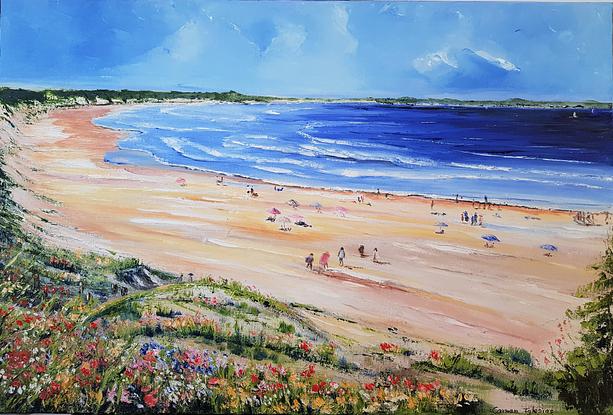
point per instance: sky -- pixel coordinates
(320, 49)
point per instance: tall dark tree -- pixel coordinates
(586, 380)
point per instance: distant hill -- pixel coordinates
(70, 97)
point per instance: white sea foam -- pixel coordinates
(479, 166)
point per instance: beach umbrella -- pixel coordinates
(181, 181)
(548, 247)
(490, 238)
(274, 211)
(341, 210)
(296, 218)
(441, 225)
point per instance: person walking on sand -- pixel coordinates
(323, 260)
(309, 261)
(375, 257)
(432, 204)
(341, 256)
(361, 251)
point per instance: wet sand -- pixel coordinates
(447, 288)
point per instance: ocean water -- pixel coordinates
(543, 158)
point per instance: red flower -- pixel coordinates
(93, 325)
(85, 371)
(39, 368)
(150, 400)
(387, 347)
(255, 378)
(408, 384)
(51, 391)
(46, 341)
(19, 323)
(435, 355)
(315, 388)
(305, 346)
(369, 386)
(213, 381)
(308, 372)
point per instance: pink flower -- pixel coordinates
(125, 396)
(112, 394)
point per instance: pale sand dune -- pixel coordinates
(443, 287)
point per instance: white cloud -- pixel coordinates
(289, 39)
(433, 60)
(500, 62)
(340, 20)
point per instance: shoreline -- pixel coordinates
(441, 287)
(371, 193)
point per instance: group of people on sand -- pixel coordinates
(587, 218)
(341, 255)
(474, 219)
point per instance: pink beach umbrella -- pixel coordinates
(181, 181)
(274, 211)
(296, 218)
(341, 210)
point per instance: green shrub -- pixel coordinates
(586, 380)
(286, 328)
(513, 355)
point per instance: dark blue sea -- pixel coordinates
(543, 158)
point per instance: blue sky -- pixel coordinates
(456, 49)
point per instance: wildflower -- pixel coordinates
(213, 381)
(308, 372)
(435, 355)
(369, 386)
(408, 384)
(305, 346)
(255, 378)
(387, 347)
(19, 323)
(93, 325)
(125, 396)
(150, 400)
(558, 341)
(111, 394)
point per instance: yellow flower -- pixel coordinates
(295, 405)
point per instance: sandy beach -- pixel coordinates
(442, 287)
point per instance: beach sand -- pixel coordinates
(445, 288)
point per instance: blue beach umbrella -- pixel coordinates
(548, 247)
(490, 238)
(441, 225)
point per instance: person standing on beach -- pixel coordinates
(432, 204)
(341, 256)
(375, 252)
(323, 261)
(309, 261)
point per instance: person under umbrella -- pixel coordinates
(489, 240)
(274, 212)
(549, 248)
(441, 225)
